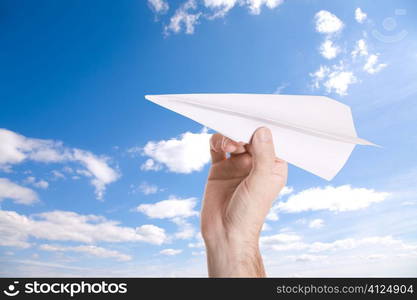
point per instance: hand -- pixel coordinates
(239, 193)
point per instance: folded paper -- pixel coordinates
(315, 133)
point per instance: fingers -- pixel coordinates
(262, 150)
(217, 154)
(220, 145)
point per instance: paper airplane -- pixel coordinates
(314, 133)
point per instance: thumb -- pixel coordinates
(268, 174)
(262, 151)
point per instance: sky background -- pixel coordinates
(97, 181)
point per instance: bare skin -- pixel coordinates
(239, 193)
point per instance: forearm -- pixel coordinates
(232, 259)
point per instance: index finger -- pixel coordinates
(220, 145)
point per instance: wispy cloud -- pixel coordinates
(177, 211)
(337, 199)
(361, 49)
(88, 249)
(171, 208)
(185, 17)
(158, 6)
(287, 242)
(42, 184)
(18, 194)
(316, 223)
(281, 88)
(170, 252)
(338, 77)
(16, 229)
(16, 149)
(147, 188)
(190, 12)
(372, 66)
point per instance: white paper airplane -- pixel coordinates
(314, 133)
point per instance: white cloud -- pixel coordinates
(159, 6)
(280, 88)
(170, 252)
(376, 256)
(293, 242)
(273, 212)
(351, 243)
(84, 173)
(199, 242)
(372, 65)
(16, 229)
(88, 249)
(17, 193)
(15, 149)
(338, 199)
(57, 174)
(343, 248)
(408, 203)
(42, 184)
(339, 81)
(171, 208)
(329, 50)
(190, 12)
(335, 78)
(98, 167)
(316, 223)
(360, 16)
(196, 245)
(150, 165)
(320, 75)
(190, 152)
(255, 6)
(360, 49)
(183, 19)
(148, 189)
(301, 221)
(177, 211)
(328, 23)
(282, 242)
(220, 7)
(151, 234)
(306, 257)
(185, 229)
(281, 238)
(286, 191)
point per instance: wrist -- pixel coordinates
(234, 257)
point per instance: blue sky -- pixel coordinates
(96, 181)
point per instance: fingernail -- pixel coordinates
(264, 135)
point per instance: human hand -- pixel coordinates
(239, 193)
